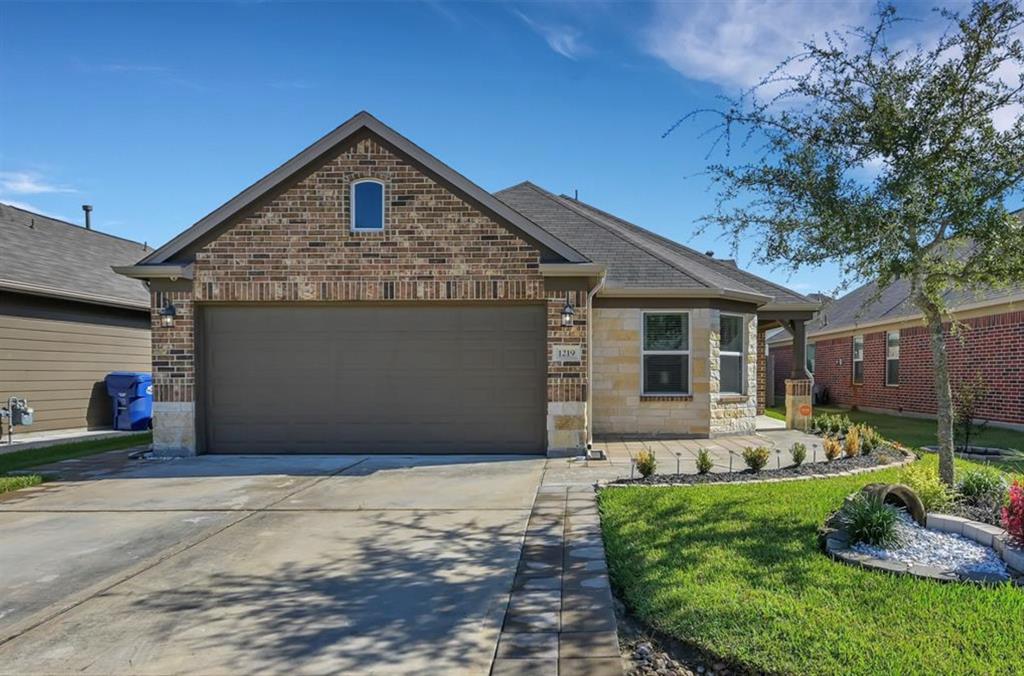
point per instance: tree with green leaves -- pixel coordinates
(888, 162)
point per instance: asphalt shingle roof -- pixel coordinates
(62, 259)
(636, 257)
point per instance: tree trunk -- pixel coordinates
(943, 391)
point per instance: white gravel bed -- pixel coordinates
(946, 551)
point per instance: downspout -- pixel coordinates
(590, 362)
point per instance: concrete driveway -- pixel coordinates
(221, 564)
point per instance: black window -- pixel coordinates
(666, 353)
(730, 354)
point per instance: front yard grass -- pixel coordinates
(33, 457)
(736, 570)
(917, 432)
(13, 483)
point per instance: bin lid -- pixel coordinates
(129, 377)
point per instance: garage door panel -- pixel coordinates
(374, 379)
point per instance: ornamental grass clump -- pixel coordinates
(869, 520)
(833, 449)
(982, 494)
(1013, 513)
(934, 494)
(756, 458)
(851, 444)
(870, 439)
(704, 461)
(983, 485)
(798, 452)
(646, 463)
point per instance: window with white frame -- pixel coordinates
(367, 205)
(730, 354)
(858, 360)
(810, 358)
(892, 357)
(666, 353)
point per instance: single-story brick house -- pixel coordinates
(365, 297)
(66, 319)
(872, 351)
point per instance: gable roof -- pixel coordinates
(893, 305)
(637, 258)
(50, 257)
(358, 123)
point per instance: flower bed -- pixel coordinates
(841, 467)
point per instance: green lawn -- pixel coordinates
(13, 483)
(34, 457)
(917, 432)
(735, 570)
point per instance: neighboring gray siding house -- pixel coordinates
(366, 297)
(66, 319)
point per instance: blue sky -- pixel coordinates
(158, 113)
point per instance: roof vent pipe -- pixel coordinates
(709, 254)
(87, 208)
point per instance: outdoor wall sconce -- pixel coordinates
(167, 314)
(567, 313)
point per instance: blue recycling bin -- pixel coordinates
(131, 395)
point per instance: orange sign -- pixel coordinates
(805, 409)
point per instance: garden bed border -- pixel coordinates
(836, 543)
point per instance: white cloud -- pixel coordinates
(736, 43)
(28, 183)
(34, 209)
(562, 39)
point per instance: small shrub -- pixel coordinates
(756, 458)
(851, 444)
(646, 463)
(869, 520)
(984, 485)
(870, 439)
(704, 461)
(799, 453)
(1013, 512)
(935, 495)
(831, 424)
(832, 448)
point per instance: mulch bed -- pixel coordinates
(838, 466)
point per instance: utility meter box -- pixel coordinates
(21, 416)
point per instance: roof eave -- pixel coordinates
(670, 292)
(170, 271)
(78, 296)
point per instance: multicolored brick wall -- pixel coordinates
(299, 247)
(992, 346)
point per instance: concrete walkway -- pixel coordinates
(220, 564)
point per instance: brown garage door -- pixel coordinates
(391, 379)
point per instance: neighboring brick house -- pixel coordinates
(365, 297)
(893, 368)
(66, 320)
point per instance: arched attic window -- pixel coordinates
(368, 205)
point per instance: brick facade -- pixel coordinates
(782, 368)
(992, 345)
(435, 248)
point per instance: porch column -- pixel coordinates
(762, 369)
(798, 385)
